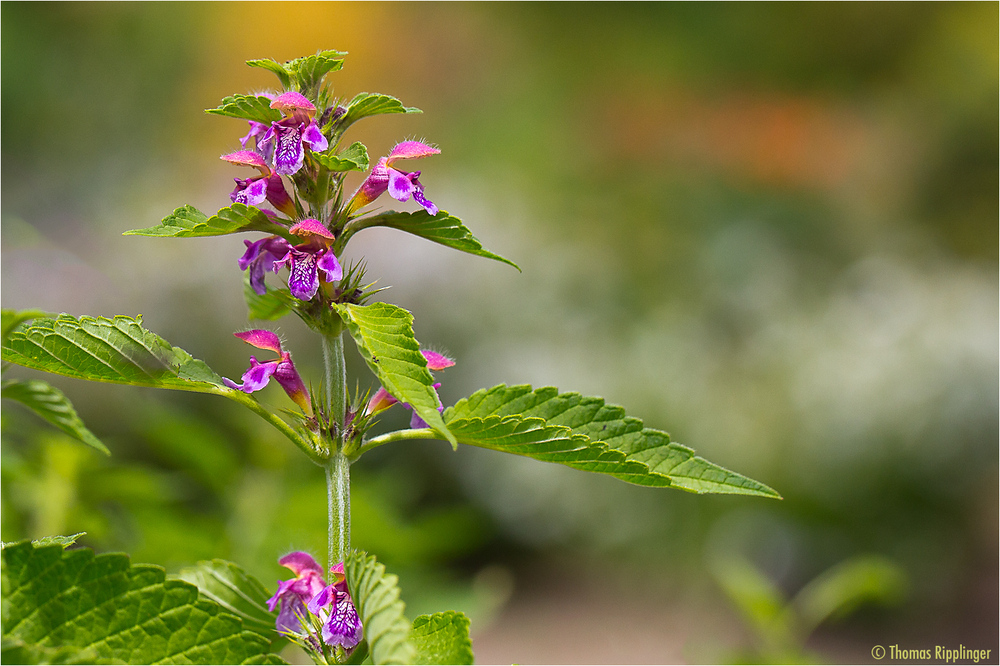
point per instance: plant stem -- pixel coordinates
(396, 436)
(338, 500)
(335, 379)
(338, 476)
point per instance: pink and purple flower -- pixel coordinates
(311, 262)
(282, 144)
(333, 604)
(296, 593)
(401, 185)
(265, 187)
(282, 369)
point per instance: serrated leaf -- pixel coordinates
(352, 158)
(442, 638)
(117, 350)
(13, 318)
(57, 540)
(274, 304)
(273, 66)
(373, 104)
(442, 228)
(309, 70)
(235, 590)
(52, 405)
(249, 107)
(628, 450)
(116, 611)
(384, 335)
(376, 597)
(189, 222)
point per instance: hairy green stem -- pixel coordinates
(335, 378)
(338, 501)
(396, 436)
(338, 475)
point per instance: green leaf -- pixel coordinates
(17, 652)
(115, 350)
(309, 70)
(761, 602)
(52, 405)
(12, 318)
(442, 638)
(839, 590)
(63, 541)
(384, 336)
(55, 600)
(189, 222)
(612, 443)
(249, 107)
(235, 590)
(275, 67)
(373, 104)
(442, 228)
(377, 598)
(275, 304)
(352, 158)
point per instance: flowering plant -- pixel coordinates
(349, 609)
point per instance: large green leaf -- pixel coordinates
(600, 438)
(249, 107)
(189, 222)
(235, 590)
(117, 350)
(373, 104)
(442, 638)
(352, 158)
(442, 228)
(384, 335)
(377, 598)
(104, 607)
(52, 405)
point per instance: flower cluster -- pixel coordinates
(308, 594)
(280, 150)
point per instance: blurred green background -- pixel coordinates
(770, 229)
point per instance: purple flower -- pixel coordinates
(260, 257)
(282, 369)
(282, 143)
(257, 130)
(294, 594)
(383, 400)
(310, 262)
(267, 186)
(400, 184)
(333, 604)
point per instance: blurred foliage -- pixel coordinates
(781, 626)
(768, 228)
